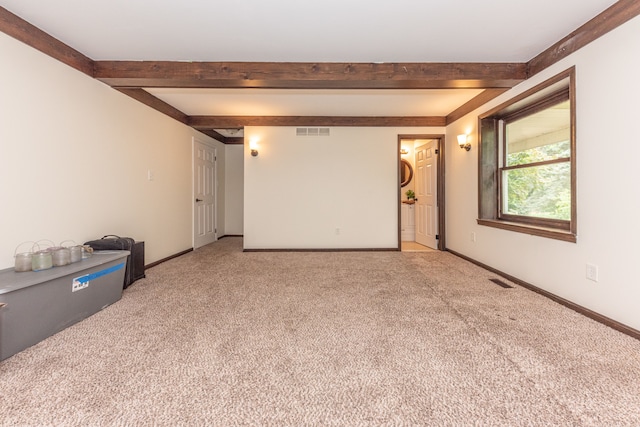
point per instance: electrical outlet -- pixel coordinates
(592, 272)
(473, 237)
(337, 231)
(150, 175)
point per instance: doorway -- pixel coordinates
(205, 186)
(421, 219)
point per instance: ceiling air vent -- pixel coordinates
(313, 132)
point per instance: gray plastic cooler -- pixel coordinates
(36, 305)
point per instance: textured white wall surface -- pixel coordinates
(607, 194)
(75, 156)
(337, 191)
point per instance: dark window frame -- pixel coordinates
(491, 166)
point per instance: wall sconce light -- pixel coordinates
(404, 151)
(253, 146)
(462, 142)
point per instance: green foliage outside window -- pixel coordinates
(539, 190)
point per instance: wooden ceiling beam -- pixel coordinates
(474, 103)
(131, 76)
(303, 75)
(221, 122)
(33, 36)
(155, 103)
(616, 15)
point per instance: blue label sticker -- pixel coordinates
(92, 276)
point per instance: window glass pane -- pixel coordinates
(541, 136)
(538, 191)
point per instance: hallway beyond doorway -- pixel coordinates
(414, 247)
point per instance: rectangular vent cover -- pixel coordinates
(501, 283)
(313, 132)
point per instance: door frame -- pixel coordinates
(439, 185)
(194, 142)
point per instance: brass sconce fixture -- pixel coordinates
(462, 142)
(253, 145)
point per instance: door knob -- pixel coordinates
(198, 200)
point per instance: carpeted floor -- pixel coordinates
(221, 337)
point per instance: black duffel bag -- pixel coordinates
(135, 261)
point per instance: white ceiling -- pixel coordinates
(304, 31)
(314, 102)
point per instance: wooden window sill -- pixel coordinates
(550, 233)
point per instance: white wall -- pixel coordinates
(607, 194)
(300, 190)
(74, 156)
(234, 189)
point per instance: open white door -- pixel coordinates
(426, 211)
(204, 194)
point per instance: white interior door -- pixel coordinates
(426, 171)
(204, 194)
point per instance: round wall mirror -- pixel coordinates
(406, 172)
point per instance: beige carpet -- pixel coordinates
(221, 337)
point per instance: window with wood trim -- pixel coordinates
(527, 170)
